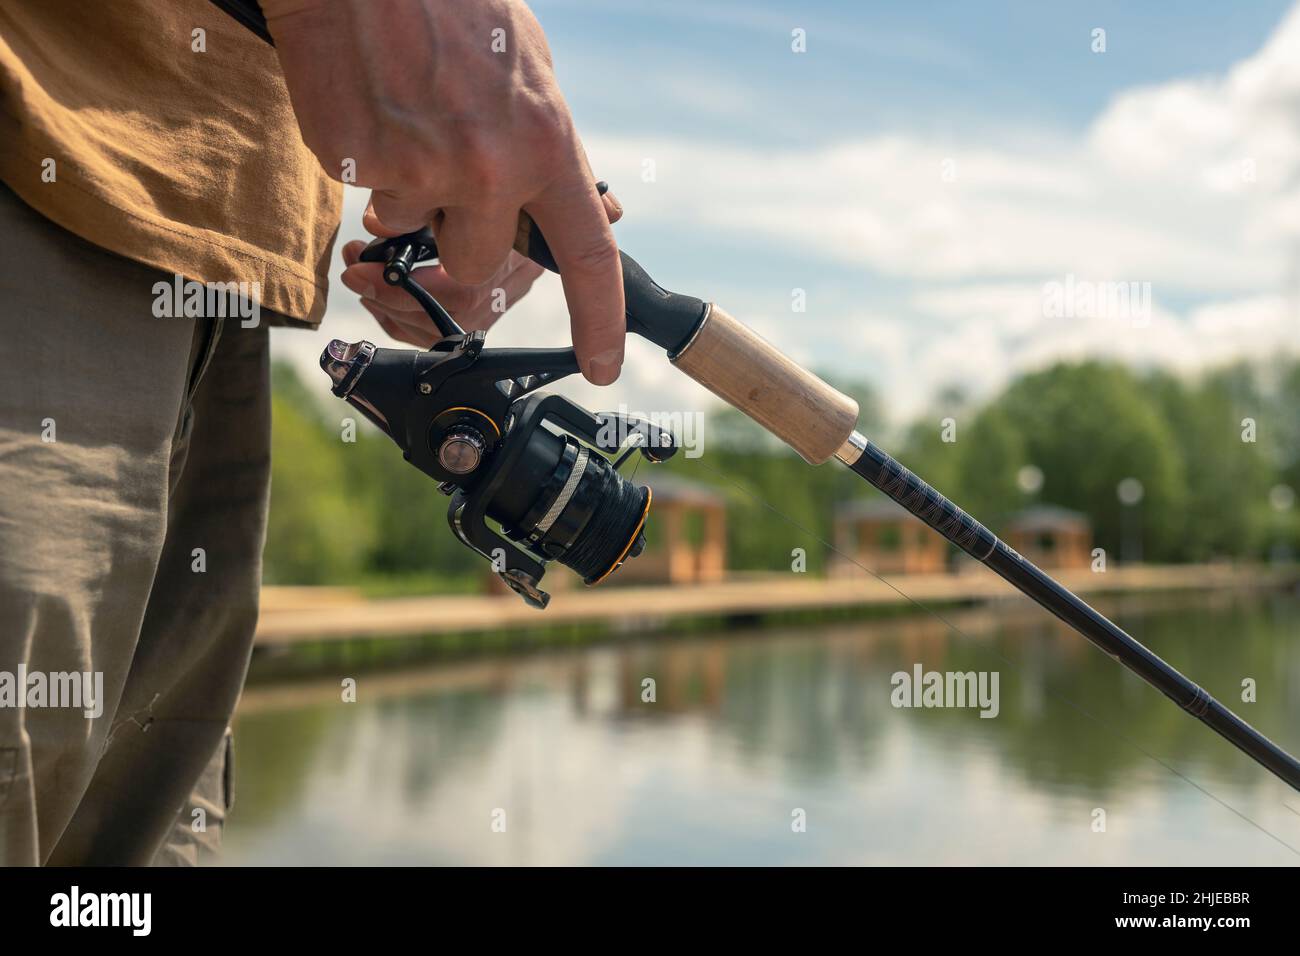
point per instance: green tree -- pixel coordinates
(1228, 478)
(1090, 425)
(316, 532)
(989, 456)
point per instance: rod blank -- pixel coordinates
(919, 499)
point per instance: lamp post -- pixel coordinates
(1029, 480)
(1282, 499)
(1130, 493)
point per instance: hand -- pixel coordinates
(449, 128)
(472, 306)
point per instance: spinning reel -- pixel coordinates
(541, 467)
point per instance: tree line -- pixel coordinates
(1216, 456)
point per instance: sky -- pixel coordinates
(929, 179)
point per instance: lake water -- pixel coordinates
(752, 731)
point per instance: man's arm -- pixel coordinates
(450, 111)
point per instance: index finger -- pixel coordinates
(574, 220)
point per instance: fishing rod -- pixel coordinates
(544, 469)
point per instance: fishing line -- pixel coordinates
(992, 650)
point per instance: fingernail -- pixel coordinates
(368, 292)
(603, 369)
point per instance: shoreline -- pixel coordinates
(305, 630)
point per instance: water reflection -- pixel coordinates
(745, 729)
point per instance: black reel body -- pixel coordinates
(537, 465)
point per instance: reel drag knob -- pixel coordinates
(461, 451)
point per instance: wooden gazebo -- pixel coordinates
(686, 535)
(882, 536)
(1051, 537)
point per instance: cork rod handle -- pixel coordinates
(742, 368)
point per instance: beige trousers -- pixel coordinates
(134, 472)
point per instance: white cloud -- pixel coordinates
(1191, 185)
(885, 204)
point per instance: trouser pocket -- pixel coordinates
(207, 335)
(228, 771)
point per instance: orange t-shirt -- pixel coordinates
(173, 148)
